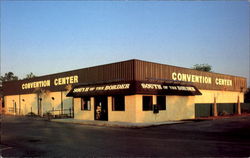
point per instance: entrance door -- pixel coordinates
(101, 108)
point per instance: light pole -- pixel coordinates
(24, 111)
(40, 107)
(14, 107)
(53, 104)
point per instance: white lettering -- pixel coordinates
(223, 82)
(174, 76)
(151, 86)
(56, 82)
(37, 84)
(102, 88)
(191, 78)
(65, 80)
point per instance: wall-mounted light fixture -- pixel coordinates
(241, 89)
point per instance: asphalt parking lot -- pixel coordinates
(30, 137)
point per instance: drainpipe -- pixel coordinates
(73, 104)
(40, 107)
(238, 106)
(19, 105)
(61, 102)
(38, 104)
(14, 107)
(215, 107)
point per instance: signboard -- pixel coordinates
(201, 79)
(47, 83)
(137, 87)
(102, 88)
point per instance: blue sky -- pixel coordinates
(52, 36)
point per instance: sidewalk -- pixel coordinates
(143, 125)
(116, 124)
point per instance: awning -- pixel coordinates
(133, 87)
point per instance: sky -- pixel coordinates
(47, 37)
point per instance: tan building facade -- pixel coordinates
(128, 91)
(134, 110)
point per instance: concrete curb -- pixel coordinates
(116, 124)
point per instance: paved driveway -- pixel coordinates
(33, 137)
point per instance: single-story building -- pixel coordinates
(127, 91)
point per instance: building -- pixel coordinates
(1, 100)
(128, 91)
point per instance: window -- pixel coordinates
(147, 102)
(161, 102)
(118, 103)
(85, 103)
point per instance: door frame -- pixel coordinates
(104, 107)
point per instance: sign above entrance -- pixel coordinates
(101, 88)
(136, 87)
(167, 89)
(171, 87)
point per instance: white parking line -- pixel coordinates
(6, 148)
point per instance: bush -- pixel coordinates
(48, 115)
(224, 113)
(31, 114)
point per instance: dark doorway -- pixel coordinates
(101, 108)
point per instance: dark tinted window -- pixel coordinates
(118, 103)
(161, 102)
(147, 102)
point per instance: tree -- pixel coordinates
(202, 67)
(247, 96)
(8, 77)
(30, 75)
